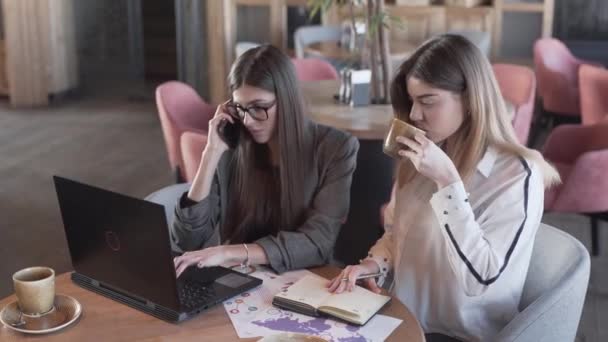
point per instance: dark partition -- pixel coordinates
(371, 188)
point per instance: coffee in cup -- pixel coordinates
(35, 290)
(398, 128)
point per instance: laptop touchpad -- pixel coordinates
(233, 280)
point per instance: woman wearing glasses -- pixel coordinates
(280, 196)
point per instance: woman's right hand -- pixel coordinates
(216, 146)
(215, 143)
(348, 277)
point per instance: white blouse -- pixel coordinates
(460, 256)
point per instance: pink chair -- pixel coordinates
(518, 86)
(180, 108)
(580, 154)
(314, 69)
(557, 75)
(192, 146)
(593, 84)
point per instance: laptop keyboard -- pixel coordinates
(194, 294)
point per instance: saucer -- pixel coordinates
(66, 311)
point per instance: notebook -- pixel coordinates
(310, 296)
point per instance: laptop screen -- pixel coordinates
(119, 241)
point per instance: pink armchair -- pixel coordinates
(314, 69)
(192, 146)
(593, 86)
(557, 75)
(580, 154)
(180, 108)
(518, 86)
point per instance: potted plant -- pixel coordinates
(375, 53)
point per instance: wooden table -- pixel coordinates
(365, 122)
(332, 50)
(106, 320)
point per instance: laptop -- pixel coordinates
(120, 248)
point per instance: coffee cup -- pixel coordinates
(35, 290)
(398, 128)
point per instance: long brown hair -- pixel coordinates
(451, 62)
(260, 198)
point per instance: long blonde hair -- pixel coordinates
(452, 63)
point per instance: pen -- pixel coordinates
(369, 275)
(365, 276)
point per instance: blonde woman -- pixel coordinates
(468, 199)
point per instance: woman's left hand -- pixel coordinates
(429, 160)
(211, 256)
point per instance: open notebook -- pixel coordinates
(310, 296)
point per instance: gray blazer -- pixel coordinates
(311, 243)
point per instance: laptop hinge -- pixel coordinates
(126, 294)
(128, 299)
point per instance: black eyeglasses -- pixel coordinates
(256, 112)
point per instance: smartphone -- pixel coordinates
(230, 132)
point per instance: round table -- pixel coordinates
(332, 50)
(106, 320)
(364, 122)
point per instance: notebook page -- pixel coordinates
(360, 301)
(310, 290)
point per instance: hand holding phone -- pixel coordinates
(229, 132)
(224, 131)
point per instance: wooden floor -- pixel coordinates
(116, 142)
(109, 142)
